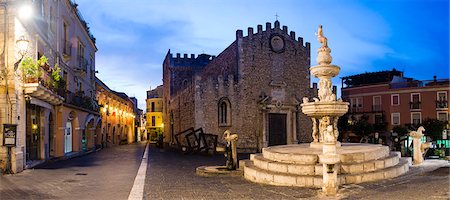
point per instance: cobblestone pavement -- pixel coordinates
(106, 174)
(171, 175)
(109, 174)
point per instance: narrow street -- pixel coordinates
(106, 174)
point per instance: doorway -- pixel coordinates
(68, 137)
(33, 132)
(277, 129)
(51, 136)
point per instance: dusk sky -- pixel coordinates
(133, 36)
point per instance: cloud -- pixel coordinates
(133, 37)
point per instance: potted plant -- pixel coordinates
(30, 70)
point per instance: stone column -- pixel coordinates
(329, 160)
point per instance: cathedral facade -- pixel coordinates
(252, 88)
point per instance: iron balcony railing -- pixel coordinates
(67, 48)
(441, 104)
(80, 100)
(415, 105)
(376, 108)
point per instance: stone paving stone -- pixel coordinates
(171, 175)
(106, 174)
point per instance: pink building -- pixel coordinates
(390, 99)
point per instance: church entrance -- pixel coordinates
(277, 129)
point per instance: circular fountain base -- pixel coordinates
(217, 171)
(300, 165)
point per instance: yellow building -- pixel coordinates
(50, 106)
(118, 118)
(154, 112)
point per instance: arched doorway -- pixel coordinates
(87, 139)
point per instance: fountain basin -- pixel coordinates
(212, 171)
(325, 70)
(319, 109)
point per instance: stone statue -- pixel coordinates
(231, 152)
(335, 126)
(417, 145)
(325, 91)
(328, 135)
(322, 39)
(305, 99)
(324, 122)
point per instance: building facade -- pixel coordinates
(391, 99)
(252, 88)
(139, 124)
(51, 102)
(154, 113)
(118, 118)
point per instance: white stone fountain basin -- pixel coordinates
(299, 165)
(320, 109)
(325, 70)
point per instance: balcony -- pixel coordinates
(82, 66)
(441, 104)
(67, 49)
(376, 108)
(415, 105)
(80, 100)
(39, 81)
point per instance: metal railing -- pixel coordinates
(80, 100)
(441, 104)
(415, 105)
(376, 108)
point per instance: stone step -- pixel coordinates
(371, 165)
(349, 154)
(264, 176)
(257, 175)
(289, 168)
(289, 157)
(390, 172)
(316, 169)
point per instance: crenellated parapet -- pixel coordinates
(269, 30)
(193, 61)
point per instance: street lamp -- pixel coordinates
(22, 46)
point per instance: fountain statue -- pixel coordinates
(231, 152)
(327, 109)
(419, 147)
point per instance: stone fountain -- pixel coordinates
(324, 163)
(327, 109)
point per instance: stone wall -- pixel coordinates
(258, 76)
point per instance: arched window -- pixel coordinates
(224, 114)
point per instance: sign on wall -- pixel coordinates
(9, 134)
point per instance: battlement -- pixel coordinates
(192, 56)
(283, 29)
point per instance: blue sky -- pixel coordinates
(133, 36)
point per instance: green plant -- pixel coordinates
(400, 130)
(434, 128)
(56, 77)
(439, 152)
(30, 69)
(362, 127)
